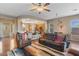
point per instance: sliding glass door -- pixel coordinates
(5, 30)
(1, 35)
(1, 29)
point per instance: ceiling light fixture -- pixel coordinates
(40, 7)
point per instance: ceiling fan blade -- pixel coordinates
(34, 4)
(46, 4)
(47, 10)
(32, 9)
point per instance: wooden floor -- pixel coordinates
(75, 45)
(5, 45)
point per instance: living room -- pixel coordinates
(39, 29)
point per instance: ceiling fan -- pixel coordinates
(40, 7)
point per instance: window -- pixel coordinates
(1, 35)
(50, 28)
(75, 29)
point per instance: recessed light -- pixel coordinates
(56, 14)
(75, 9)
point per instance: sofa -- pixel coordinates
(23, 44)
(56, 41)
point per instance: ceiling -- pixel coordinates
(23, 9)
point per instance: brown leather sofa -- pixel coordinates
(51, 42)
